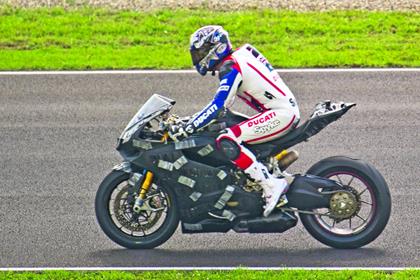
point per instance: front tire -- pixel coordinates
(346, 170)
(113, 206)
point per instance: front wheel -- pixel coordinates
(357, 216)
(149, 228)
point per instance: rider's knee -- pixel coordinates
(228, 144)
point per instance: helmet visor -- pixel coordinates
(198, 54)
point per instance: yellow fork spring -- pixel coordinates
(146, 184)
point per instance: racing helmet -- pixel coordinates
(209, 45)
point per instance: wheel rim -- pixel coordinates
(362, 217)
(146, 222)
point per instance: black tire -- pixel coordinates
(168, 227)
(382, 206)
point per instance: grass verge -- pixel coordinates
(90, 38)
(210, 275)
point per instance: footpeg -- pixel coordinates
(282, 201)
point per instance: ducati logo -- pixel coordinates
(261, 120)
(205, 115)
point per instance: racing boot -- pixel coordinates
(273, 187)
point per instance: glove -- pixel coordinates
(181, 131)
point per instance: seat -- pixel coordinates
(301, 133)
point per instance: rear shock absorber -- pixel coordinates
(145, 185)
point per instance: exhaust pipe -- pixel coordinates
(275, 223)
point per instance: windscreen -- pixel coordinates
(154, 104)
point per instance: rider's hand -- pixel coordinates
(181, 131)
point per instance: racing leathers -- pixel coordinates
(247, 74)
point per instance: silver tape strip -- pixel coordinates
(124, 166)
(186, 181)
(228, 215)
(165, 165)
(193, 227)
(180, 162)
(205, 150)
(142, 144)
(222, 174)
(134, 179)
(185, 144)
(224, 198)
(195, 196)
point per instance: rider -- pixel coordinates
(245, 73)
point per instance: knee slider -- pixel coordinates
(230, 148)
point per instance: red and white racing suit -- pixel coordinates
(246, 73)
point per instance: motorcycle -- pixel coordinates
(163, 181)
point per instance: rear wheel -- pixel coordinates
(356, 216)
(149, 228)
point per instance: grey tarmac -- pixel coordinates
(58, 134)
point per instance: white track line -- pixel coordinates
(199, 268)
(108, 72)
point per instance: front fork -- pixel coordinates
(141, 182)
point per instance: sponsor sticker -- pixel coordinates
(205, 115)
(223, 88)
(267, 127)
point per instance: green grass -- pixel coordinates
(90, 38)
(219, 275)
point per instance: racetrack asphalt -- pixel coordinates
(57, 140)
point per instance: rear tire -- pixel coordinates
(380, 204)
(102, 207)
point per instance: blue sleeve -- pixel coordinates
(227, 89)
